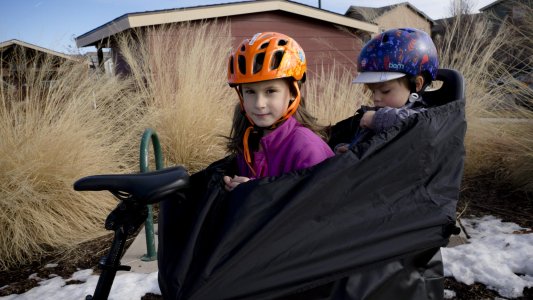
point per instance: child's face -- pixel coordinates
(392, 93)
(266, 101)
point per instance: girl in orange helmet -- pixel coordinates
(272, 131)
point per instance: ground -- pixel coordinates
(480, 199)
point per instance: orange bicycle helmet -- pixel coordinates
(266, 56)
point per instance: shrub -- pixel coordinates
(331, 96)
(55, 131)
(499, 138)
(180, 70)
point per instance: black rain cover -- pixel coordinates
(392, 196)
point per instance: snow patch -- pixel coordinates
(498, 255)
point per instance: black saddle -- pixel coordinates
(149, 187)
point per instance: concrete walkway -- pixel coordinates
(136, 251)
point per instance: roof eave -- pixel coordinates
(135, 20)
(391, 7)
(490, 5)
(94, 36)
(35, 47)
(419, 12)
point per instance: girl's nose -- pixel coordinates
(260, 101)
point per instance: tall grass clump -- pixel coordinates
(58, 123)
(331, 96)
(180, 70)
(499, 138)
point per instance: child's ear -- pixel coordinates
(419, 81)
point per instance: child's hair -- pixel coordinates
(266, 56)
(240, 124)
(396, 53)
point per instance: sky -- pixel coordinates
(498, 255)
(54, 24)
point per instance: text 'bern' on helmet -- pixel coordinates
(266, 56)
(395, 53)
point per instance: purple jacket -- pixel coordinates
(289, 147)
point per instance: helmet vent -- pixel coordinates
(242, 64)
(276, 59)
(385, 38)
(258, 61)
(243, 48)
(282, 42)
(264, 45)
(231, 70)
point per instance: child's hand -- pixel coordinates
(341, 148)
(367, 121)
(231, 183)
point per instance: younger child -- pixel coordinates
(396, 66)
(272, 132)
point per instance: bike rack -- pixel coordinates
(150, 135)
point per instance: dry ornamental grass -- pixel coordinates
(499, 138)
(53, 133)
(87, 123)
(180, 70)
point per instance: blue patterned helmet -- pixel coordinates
(396, 53)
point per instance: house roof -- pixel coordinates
(157, 17)
(14, 42)
(491, 5)
(363, 11)
(440, 24)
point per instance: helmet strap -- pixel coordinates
(413, 97)
(247, 153)
(414, 94)
(291, 110)
(293, 106)
(246, 137)
(412, 83)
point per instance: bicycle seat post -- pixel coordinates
(124, 220)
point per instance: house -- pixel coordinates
(16, 56)
(514, 11)
(322, 34)
(440, 26)
(518, 58)
(392, 16)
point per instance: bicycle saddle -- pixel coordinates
(149, 187)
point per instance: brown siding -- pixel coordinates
(322, 42)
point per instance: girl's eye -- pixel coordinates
(270, 91)
(249, 92)
(385, 92)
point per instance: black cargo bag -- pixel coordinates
(367, 224)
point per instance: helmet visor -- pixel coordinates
(373, 77)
